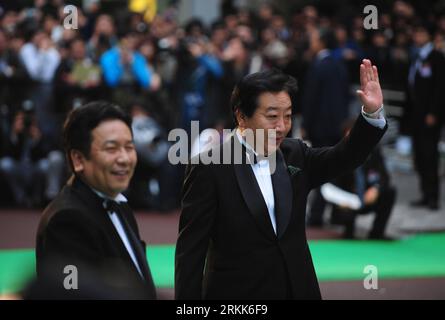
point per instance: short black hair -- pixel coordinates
(327, 36)
(245, 95)
(83, 120)
(424, 26)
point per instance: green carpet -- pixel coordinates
(417, 257)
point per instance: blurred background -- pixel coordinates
(168, 62)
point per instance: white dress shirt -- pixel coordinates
(119, 228)
(423, 53)
(261, 168)
(41, 65)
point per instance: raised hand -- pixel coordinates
(370, 92)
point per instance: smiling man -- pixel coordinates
(242, 227)
(89, 225)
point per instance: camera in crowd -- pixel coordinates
(28, 115)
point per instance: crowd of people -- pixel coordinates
(166, 74)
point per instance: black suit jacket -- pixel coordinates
(325, 101)
(227, 248)
(75, 229)
(426, 94)
(374, 172)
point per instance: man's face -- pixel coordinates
(78, 50)
(315, 45)
(112, 158)
(274, 112)
(421, 38)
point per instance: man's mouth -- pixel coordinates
(120, 173)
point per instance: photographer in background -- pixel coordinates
(31, 167)
(77, 78)
(126, 71)
(103, 37)
(197, 66)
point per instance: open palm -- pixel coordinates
(370, 92)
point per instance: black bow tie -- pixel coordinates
(113, 206)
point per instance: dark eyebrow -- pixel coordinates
(114, 142)
(272, 108)
(110, 142)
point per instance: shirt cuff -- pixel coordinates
(376, 118)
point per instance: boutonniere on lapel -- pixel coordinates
(293, 170)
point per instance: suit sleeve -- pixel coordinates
(436, 106)
(69, 240)
(327, 163)
(199, 205)
(69, 237)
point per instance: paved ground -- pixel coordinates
(402, 289)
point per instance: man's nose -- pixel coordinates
(281, 126)
(123, 157)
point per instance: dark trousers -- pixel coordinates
(382, 208)
(426, 160)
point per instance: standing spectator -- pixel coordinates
(325, 103)
(103, 37)
(348, 51)
(238, 61)
(195, 67)
(77, 78)
(380, 53)
(29, 163)
(127, 71)
(12, 73)
(41, 59)
(155, 184)
(426, 84)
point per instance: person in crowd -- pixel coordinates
(371, 183)
(31, 165)
(325, 103)
(426, 83)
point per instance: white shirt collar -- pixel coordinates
(323, 54)
(119, 198)
(261, 160)
(426, 50)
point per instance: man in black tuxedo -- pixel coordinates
(242, 229)
(426, 85)
(89, 225)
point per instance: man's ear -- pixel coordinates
(240, 118)
(78, 159)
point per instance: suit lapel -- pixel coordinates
(95, 205)
(251, 192)
(282, 187)
(138, 247)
